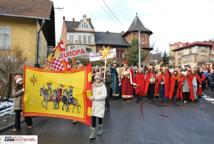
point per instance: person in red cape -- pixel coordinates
(201, 80)
(163, 83)
(150, 83)
(166, 75)
(127, 88)
(174, 86)
(187, 86)
(157, 86)
(180, 84)
(196, 84)
(139, 91)
(132, 78)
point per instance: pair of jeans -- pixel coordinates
(186, 96)
(151, 90)
(162, 92)
(28, 120)
(174, 96)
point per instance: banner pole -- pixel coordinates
(105, 69)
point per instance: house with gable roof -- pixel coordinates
(28, 25)
(74, 34)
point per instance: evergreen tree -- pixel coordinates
(165, 59)
(132, 54)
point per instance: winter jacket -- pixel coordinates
(99, 94)
(17, 94)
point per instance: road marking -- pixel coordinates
(209, 99)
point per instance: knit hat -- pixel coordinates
(18, 78)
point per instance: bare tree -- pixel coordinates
(11, 62)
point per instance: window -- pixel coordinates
(186, 51)
(180, 52)
(89, 39)
(84, 39)
(204, 49)
(195, 49)
(179, 61)
(79, 39)
(5, 38)
(204, 58)
(71, 37)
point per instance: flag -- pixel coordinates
(56, 63)
(59, 64)
(58, 94)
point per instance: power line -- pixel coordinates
(112, 13)
(106, 11)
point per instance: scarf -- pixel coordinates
(97, 84)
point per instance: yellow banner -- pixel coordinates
(58, 94)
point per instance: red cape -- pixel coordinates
(157, 86)
(199, 80)
(189, 80)
(132, 78)
(140, 84)
(148, 75)
(172, 86)
(167, 83)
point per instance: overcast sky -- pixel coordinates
(169, 20)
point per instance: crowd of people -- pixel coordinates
(171, 84)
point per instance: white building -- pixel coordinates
(78, 34)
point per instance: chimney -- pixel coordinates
(73, 25)
(84, 16)
(63, 18)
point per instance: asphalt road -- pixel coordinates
(149, 122)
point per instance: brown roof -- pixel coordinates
(38, 9)
(138, 25)
(197, 43)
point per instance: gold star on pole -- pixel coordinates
(33, 79)
(105, 52)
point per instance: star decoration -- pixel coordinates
(105, 52)
(33, 79)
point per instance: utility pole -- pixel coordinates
(139, 49)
